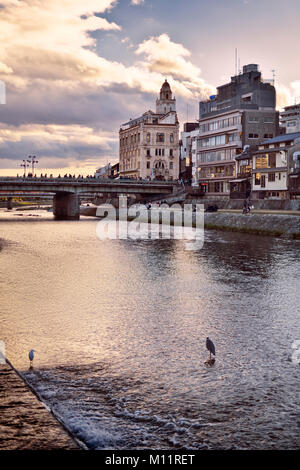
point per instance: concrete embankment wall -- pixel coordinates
(261, 224)
(259, 204)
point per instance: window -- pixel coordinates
(272, 161)
(160, 137)
(271, 177)
(233, 137)
(253, 119)
(253, 136)
(268, 136)
(212, 141)
(261, 162)
(171, 152)
(148, 137)
(269, 120)
(247, 98)
(148, 153)
(148, 165)
(171, 138)
(156, 152)
(171, 165)
(257, 179)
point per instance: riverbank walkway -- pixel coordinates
(261, 211)
(25, 423)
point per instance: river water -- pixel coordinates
(119, 327)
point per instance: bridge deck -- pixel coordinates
(86, 185)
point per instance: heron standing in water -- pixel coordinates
(211, 347)
(31, 356)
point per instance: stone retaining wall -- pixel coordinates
(25, 423)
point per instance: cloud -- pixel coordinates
(55, 76)
(56, 145)
(287, 95)
(47, 42)
(169, 58)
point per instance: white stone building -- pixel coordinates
(149, 144)
(270, 167)
(290, 119)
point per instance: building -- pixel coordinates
(294, 169)
(108, 171)
(240, 187)
(241, 113)
(188, 150)
(276, 168)
(149, 144)
(290, 119)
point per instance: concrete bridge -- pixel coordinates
(66, 191)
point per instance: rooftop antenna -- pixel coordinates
(239, 66)
(236, 52)
(273, 75)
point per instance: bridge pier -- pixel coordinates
(9, 203)
(66, 206)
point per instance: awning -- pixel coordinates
(238, 181)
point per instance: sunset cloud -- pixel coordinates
(57, 46)
(71, 64)
(59, 146)
(166, 57)
(55, 76)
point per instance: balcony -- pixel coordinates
(246, 174)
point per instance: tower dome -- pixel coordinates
(165, 103)
(165, 91)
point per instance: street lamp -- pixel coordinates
(33, 161)
(24, 165)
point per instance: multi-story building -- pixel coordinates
(274, 164)
(149, 144)
(240, 187)
(187, 150)
(294, 169)
(290, 119)
(241, 113)
(108, 171)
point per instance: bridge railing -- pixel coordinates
(71, 179)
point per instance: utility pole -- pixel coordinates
(33, 161)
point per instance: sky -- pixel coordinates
(75, 70)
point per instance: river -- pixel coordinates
(119, 329)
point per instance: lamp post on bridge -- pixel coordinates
(24, 165)
(33, 161)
